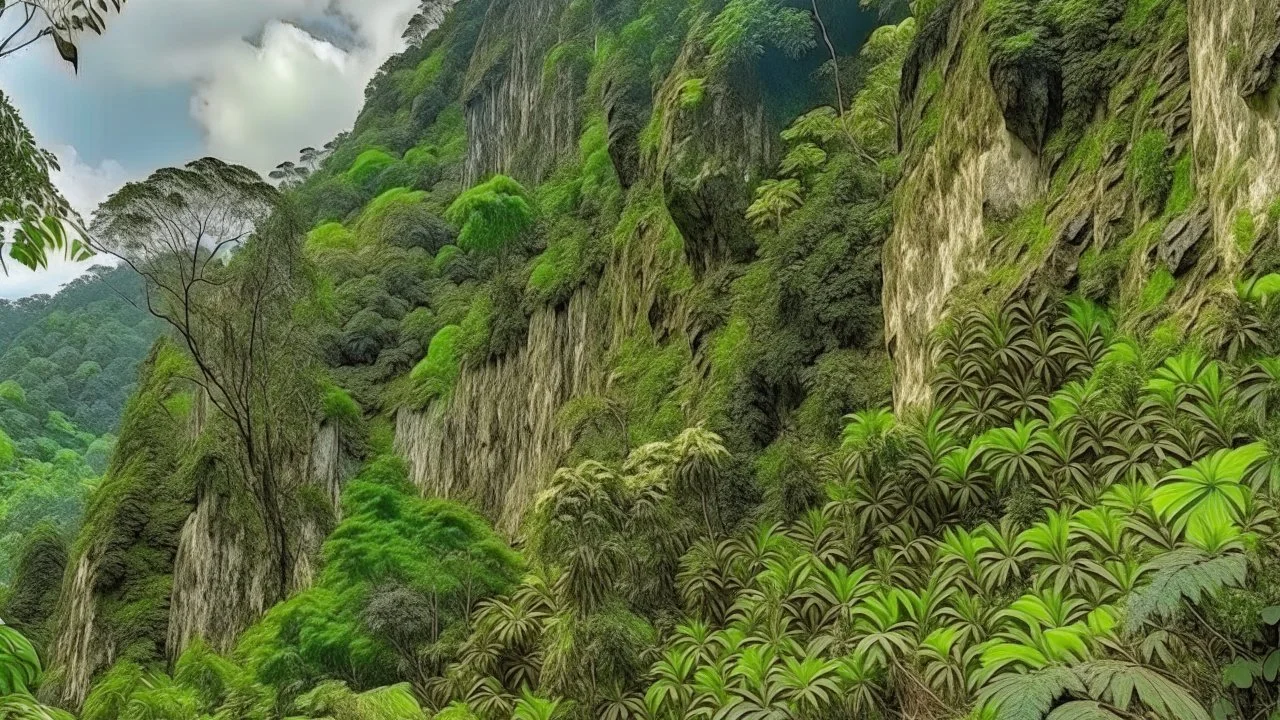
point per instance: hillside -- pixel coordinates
(68, 364)
(749, 359)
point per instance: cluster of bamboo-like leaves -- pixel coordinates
(1082, 528)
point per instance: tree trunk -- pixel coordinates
(835, 64)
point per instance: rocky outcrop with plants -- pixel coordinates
(747, 359)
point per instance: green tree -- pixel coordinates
(492, 215)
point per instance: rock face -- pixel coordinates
(223, 580)
(496, 439)
(972, 166)
(521, 112)
(1235, 120)
(1174, 170)
(172, 551)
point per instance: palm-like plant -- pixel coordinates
(1096, 689)
(1017, 454)
(968, 484)
(532, 707)
(774, 199)
(1060, 558)
(578, 519)
(1211, 489)
(896, 599)
(19, 664)
(699, 457)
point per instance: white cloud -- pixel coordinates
(86, 186)
(267, 76)
(262, 78)
(265, 102)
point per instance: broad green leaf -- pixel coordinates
(1241, 673)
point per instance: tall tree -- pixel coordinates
(221, 262)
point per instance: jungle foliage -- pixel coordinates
(1083, 526)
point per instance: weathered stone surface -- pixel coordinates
(520, 122)
(495, 441)
(1182, 241)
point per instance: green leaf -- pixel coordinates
(1116, 682)
(1271, 666)
(1028, 696)
(1241, 673)
(1180, 576)
(19, 664)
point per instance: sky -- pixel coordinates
(250, 81)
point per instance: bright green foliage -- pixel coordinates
(400, 573)
(366, 168)
(393, 216)
(1244, 230)
(774, 199)
(1149, 169)
(1156, 290)
(744, 29)
(203, 684)
(491, 215)
(25, 707)
(338, 405)
(803, 159)
(330, 237)
(435, 374)
(335, 700)
(19, 665)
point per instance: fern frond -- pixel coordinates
(1178, 576)
(1117, 683)
(1028, 696)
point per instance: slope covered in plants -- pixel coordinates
(723, 360)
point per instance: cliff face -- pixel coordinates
(1152, 201)
(521, 104)
(536, 90)
(1234, 116)
(115, 597)
(224, 575)
(171, 550)
(498, 434)
(972, 165)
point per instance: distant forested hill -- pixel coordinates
(75, 353)
(68, 364)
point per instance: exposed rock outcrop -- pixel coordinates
(1174, 172)
(496, 439)
(521, 109)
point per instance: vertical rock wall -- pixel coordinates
(1235, 118)
(496, 440)
(971, 165)
(521, 115)
(225, 576)
(1201, 75)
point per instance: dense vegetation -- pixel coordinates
(1081, 526)
(68, 364)
(1085, 522)
(75, 353)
